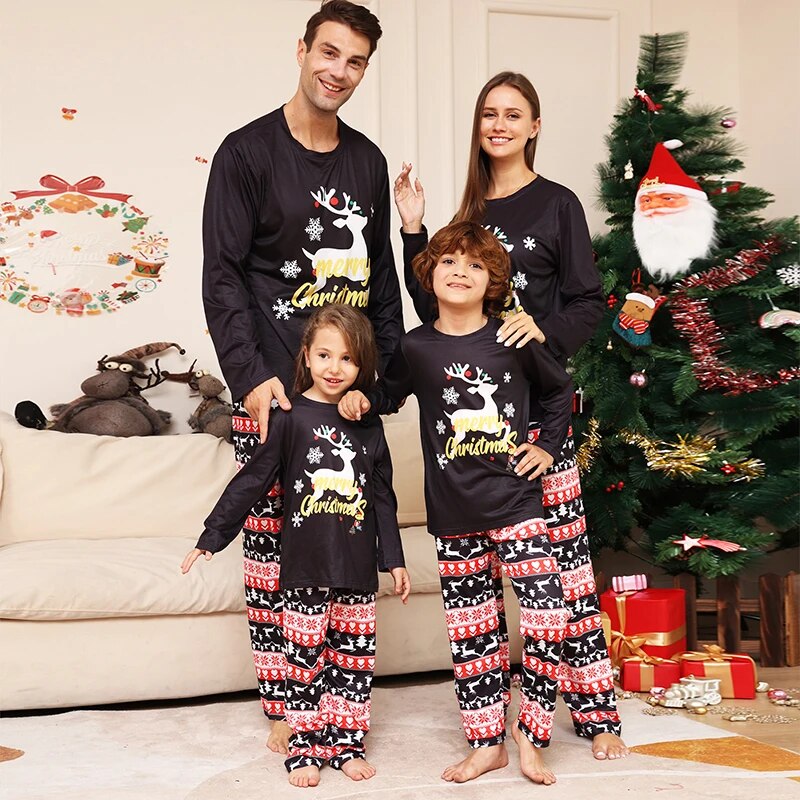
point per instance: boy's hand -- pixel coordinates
(536, 457)
(402, 583)
(353, 405)
(522, 327)
(191, 557)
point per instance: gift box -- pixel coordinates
(736, 672)
(639, 674)
(606, 620)
(628, 583)
(648, 622)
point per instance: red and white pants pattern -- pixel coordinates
(469, 568)
(261, 540)
(330, 652)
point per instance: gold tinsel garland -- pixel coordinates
(682, 459)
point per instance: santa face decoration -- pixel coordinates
(673, 222)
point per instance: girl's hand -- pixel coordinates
(192, 556)
(353, 405)
(410, 201)
(536, 457)
(519, 328)
(402, 583)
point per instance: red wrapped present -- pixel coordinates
(640, 674)
(649, 622)
(606, 621)
(736, 672)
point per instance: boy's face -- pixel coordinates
(460, 281)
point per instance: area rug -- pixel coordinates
(215, 751)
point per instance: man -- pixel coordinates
(296, 215)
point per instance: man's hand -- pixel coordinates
(410, 200)
(353, 405)
(191, 557)
(519, 326)
(402, 583)
(536, 457)
(258, 403)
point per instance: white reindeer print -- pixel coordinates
(352, 262)
(486, 419)
(341, 481)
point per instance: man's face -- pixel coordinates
(333, 66)
(651, 203)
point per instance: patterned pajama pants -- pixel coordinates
(262, 555)
(469, 571)
(330, 650)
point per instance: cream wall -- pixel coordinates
(157, 87)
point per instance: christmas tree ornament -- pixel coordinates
(638, 379)
(762, 687)
(777, 317)
(647, 101)
(690, 542)
(611, 300)
(673, 220)
(589, 447)
(673, 144)
(790, 275)
(609, 346)
(728, 469)
(727, 122)
(632, 322)
(777, 694)
(628, 174)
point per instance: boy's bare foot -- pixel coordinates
(278, 740)
(531, 761)
(608, 745)
(357, 769)
(304, 777)
(480, 760)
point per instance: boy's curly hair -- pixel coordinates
(474, 240)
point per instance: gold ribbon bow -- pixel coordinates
(719, 661)
(623, 646)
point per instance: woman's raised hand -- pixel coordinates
(410, 200)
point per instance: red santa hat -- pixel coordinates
(665, 175)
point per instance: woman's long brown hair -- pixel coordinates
(473, 201)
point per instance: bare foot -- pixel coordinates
(531, 761)
(608, 745)
(278, 740)
(304, 777)
(357, 769)
(480, 760)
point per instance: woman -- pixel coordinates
(559, 302)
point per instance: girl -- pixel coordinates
(543, 227)
(472, 416)
(342, 514)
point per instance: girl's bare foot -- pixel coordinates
(357, 769)
(480, 760)
(531, 761)
(278, 740)
(304, 777)
(608, 745)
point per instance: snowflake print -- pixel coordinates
(450, 396)
(508, 410)
(440, 427)
(364, 449)
(290, 269)
(507, 377)
(314, 229)
(362, 478)
(442, 459)
(314, 455)
(274, 403)
(298, 486)
(296, 519)
(519, 281)
(282, 309)
(529, 242)
(790, 275)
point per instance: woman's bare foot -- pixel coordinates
(278, 740)
(357, 769)
(480, 760)
(304, 777)
(608, 745)
(531, 761)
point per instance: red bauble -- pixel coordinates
(621, 485)
(727, 122)
(638, 379)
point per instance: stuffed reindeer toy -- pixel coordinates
(213, 415)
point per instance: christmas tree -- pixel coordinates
(690, 431)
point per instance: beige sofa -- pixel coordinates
(93, 608)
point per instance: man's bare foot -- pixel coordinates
(608, 745)
(531, 761)
(278, 740)
(357, 769)
(480, 760)
(304, 777)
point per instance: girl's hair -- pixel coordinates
(475, 241)
(473, 201)
(357, 332)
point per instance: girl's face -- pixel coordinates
(333, 370)
(460, 281)
(507, 123)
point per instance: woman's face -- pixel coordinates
(506, 123)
